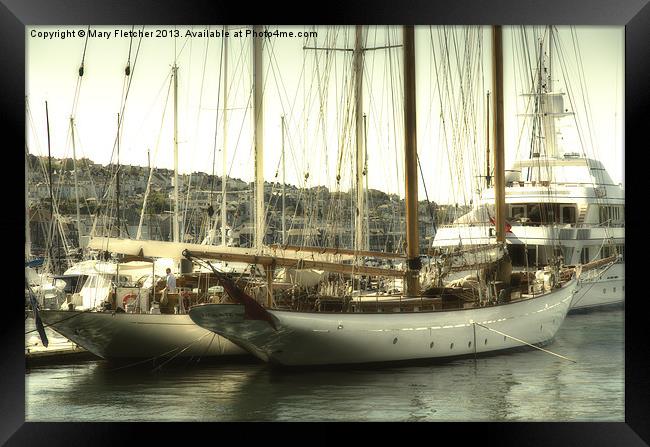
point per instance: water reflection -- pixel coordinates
(526, 385)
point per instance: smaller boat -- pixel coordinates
(119, 313)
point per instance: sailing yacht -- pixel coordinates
(436, 323)
(119, 314)
(560, 204)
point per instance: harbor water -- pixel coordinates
(529, 385)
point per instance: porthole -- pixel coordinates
(394, 340)
(451, 346)
(504, 338)
(604, 290)
(614, 289)
(485, 342)
(431, 345)
(469, 344)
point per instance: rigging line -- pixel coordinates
(527, 71)
(151, 168)
(240, 62)
(275, 77)
(216, 124)
(528, 104)
(393, 66)
(128, 60)
(426, 194)
(123, 105)
(578, 123)
(441, 96)
(80, 76)
(185, 220)
(83, 56)
(582, 82)
(598, 175)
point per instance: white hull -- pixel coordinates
(602, 287)
(605, 288)
(123, 336)
(349, 338)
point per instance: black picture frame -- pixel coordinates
(633, 14)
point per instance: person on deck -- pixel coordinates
(171, 288)
(171, 281)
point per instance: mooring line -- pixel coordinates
(180, 352)
(124, 366)
(526, 343)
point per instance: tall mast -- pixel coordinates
(28, 242)
(284, 185)
(549, 103)
(488, 177)
(149, 232)
(366, 226)
(359, 242)
(410, 166)
(499, 162)
(224, 160)
(76, 185)
(258, 114)
(138, 233)
(28, 239)
(117, 180)
(175, 75)
(49, 171)
(550, 58)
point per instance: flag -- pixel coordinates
(508, 226)
(252, 309)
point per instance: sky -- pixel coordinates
(312, 90)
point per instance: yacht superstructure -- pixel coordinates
(562, 206)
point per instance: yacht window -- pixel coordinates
(610, 215)
(517, 212)
(534, 214)
(584, 256)
(602, 215)
(550, 213)
(568, 214)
